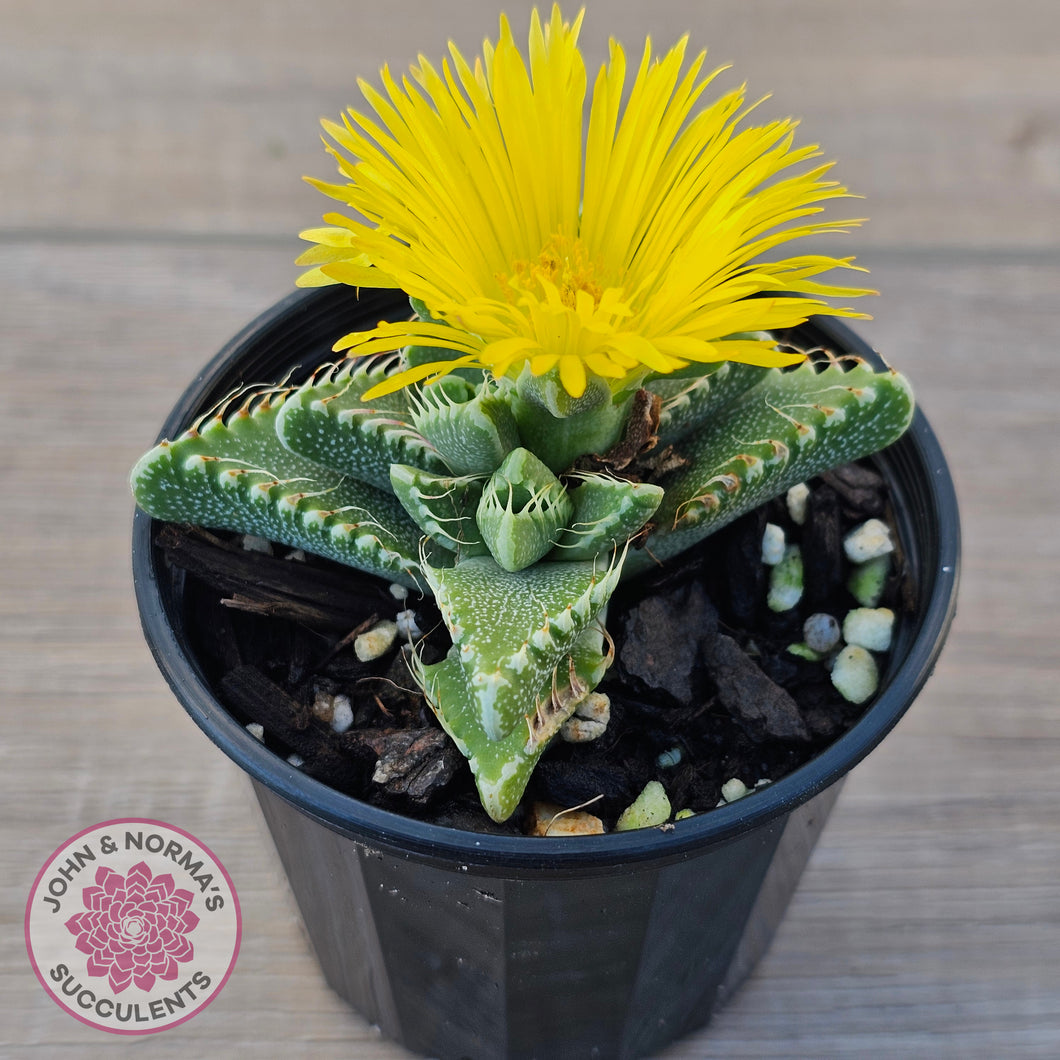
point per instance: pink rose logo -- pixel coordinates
(135, 927)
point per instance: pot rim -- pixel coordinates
(406, 836)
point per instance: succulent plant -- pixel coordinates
(589, 382)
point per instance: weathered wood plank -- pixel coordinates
(201, 117)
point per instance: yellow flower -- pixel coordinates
(631, 250)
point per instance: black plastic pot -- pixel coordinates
(462, 944)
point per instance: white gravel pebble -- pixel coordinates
(796, 501)
(785, 581)
(596, 707)
(341, 713)
(821, 632)
(867, 541)
(296, 760)
(376, 642)
(734, 789)
(869, 627)
(650, 808)
(256, 730)
(581, 730)
(589, 721)
(549, 820)
(854, 674)
(398, 592)
(669, 759)
(254, 543)
(867, 580)
(773, 544)
(406, 625)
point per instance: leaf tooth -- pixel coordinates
(542, 638)
(520, 659)
(564, 620)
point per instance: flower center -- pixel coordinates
(133, 926)
(563, 263)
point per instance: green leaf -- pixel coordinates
(698, 401)
(607, 513)
(558, 441)
(502, 768)
(791, 426)
(471, 429)
(511, 630)
(522, 510)
(237, 475)
(326, 421)
(442, 506)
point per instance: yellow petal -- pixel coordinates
(638, 247)
(357, 275)
(572, 375)
(420, 372)
(314, 278)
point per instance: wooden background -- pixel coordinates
(150, 156)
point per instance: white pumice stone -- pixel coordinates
(296, 555)
(773, 544)
(796, 500)
(257, 731)
(870, 627)
(589, 720)
(596, 707)
(867, 580)
(785, 581)
(734, 789)
(669, 759)
(854, 674)
(684, 814)
(341, 713)
(549, 820)
(406, 625)
(254, 543)
(648, 810)
(581, 730)
(820, 632)
(399, 592)
(804, 651)
(867, 541)
(295, 760)
(376, 642)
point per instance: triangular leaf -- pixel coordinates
(442, 506)
(326, 421)
(792, 426)
(607, 512)
(501, 768)
(237, 475)
(511, 630)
